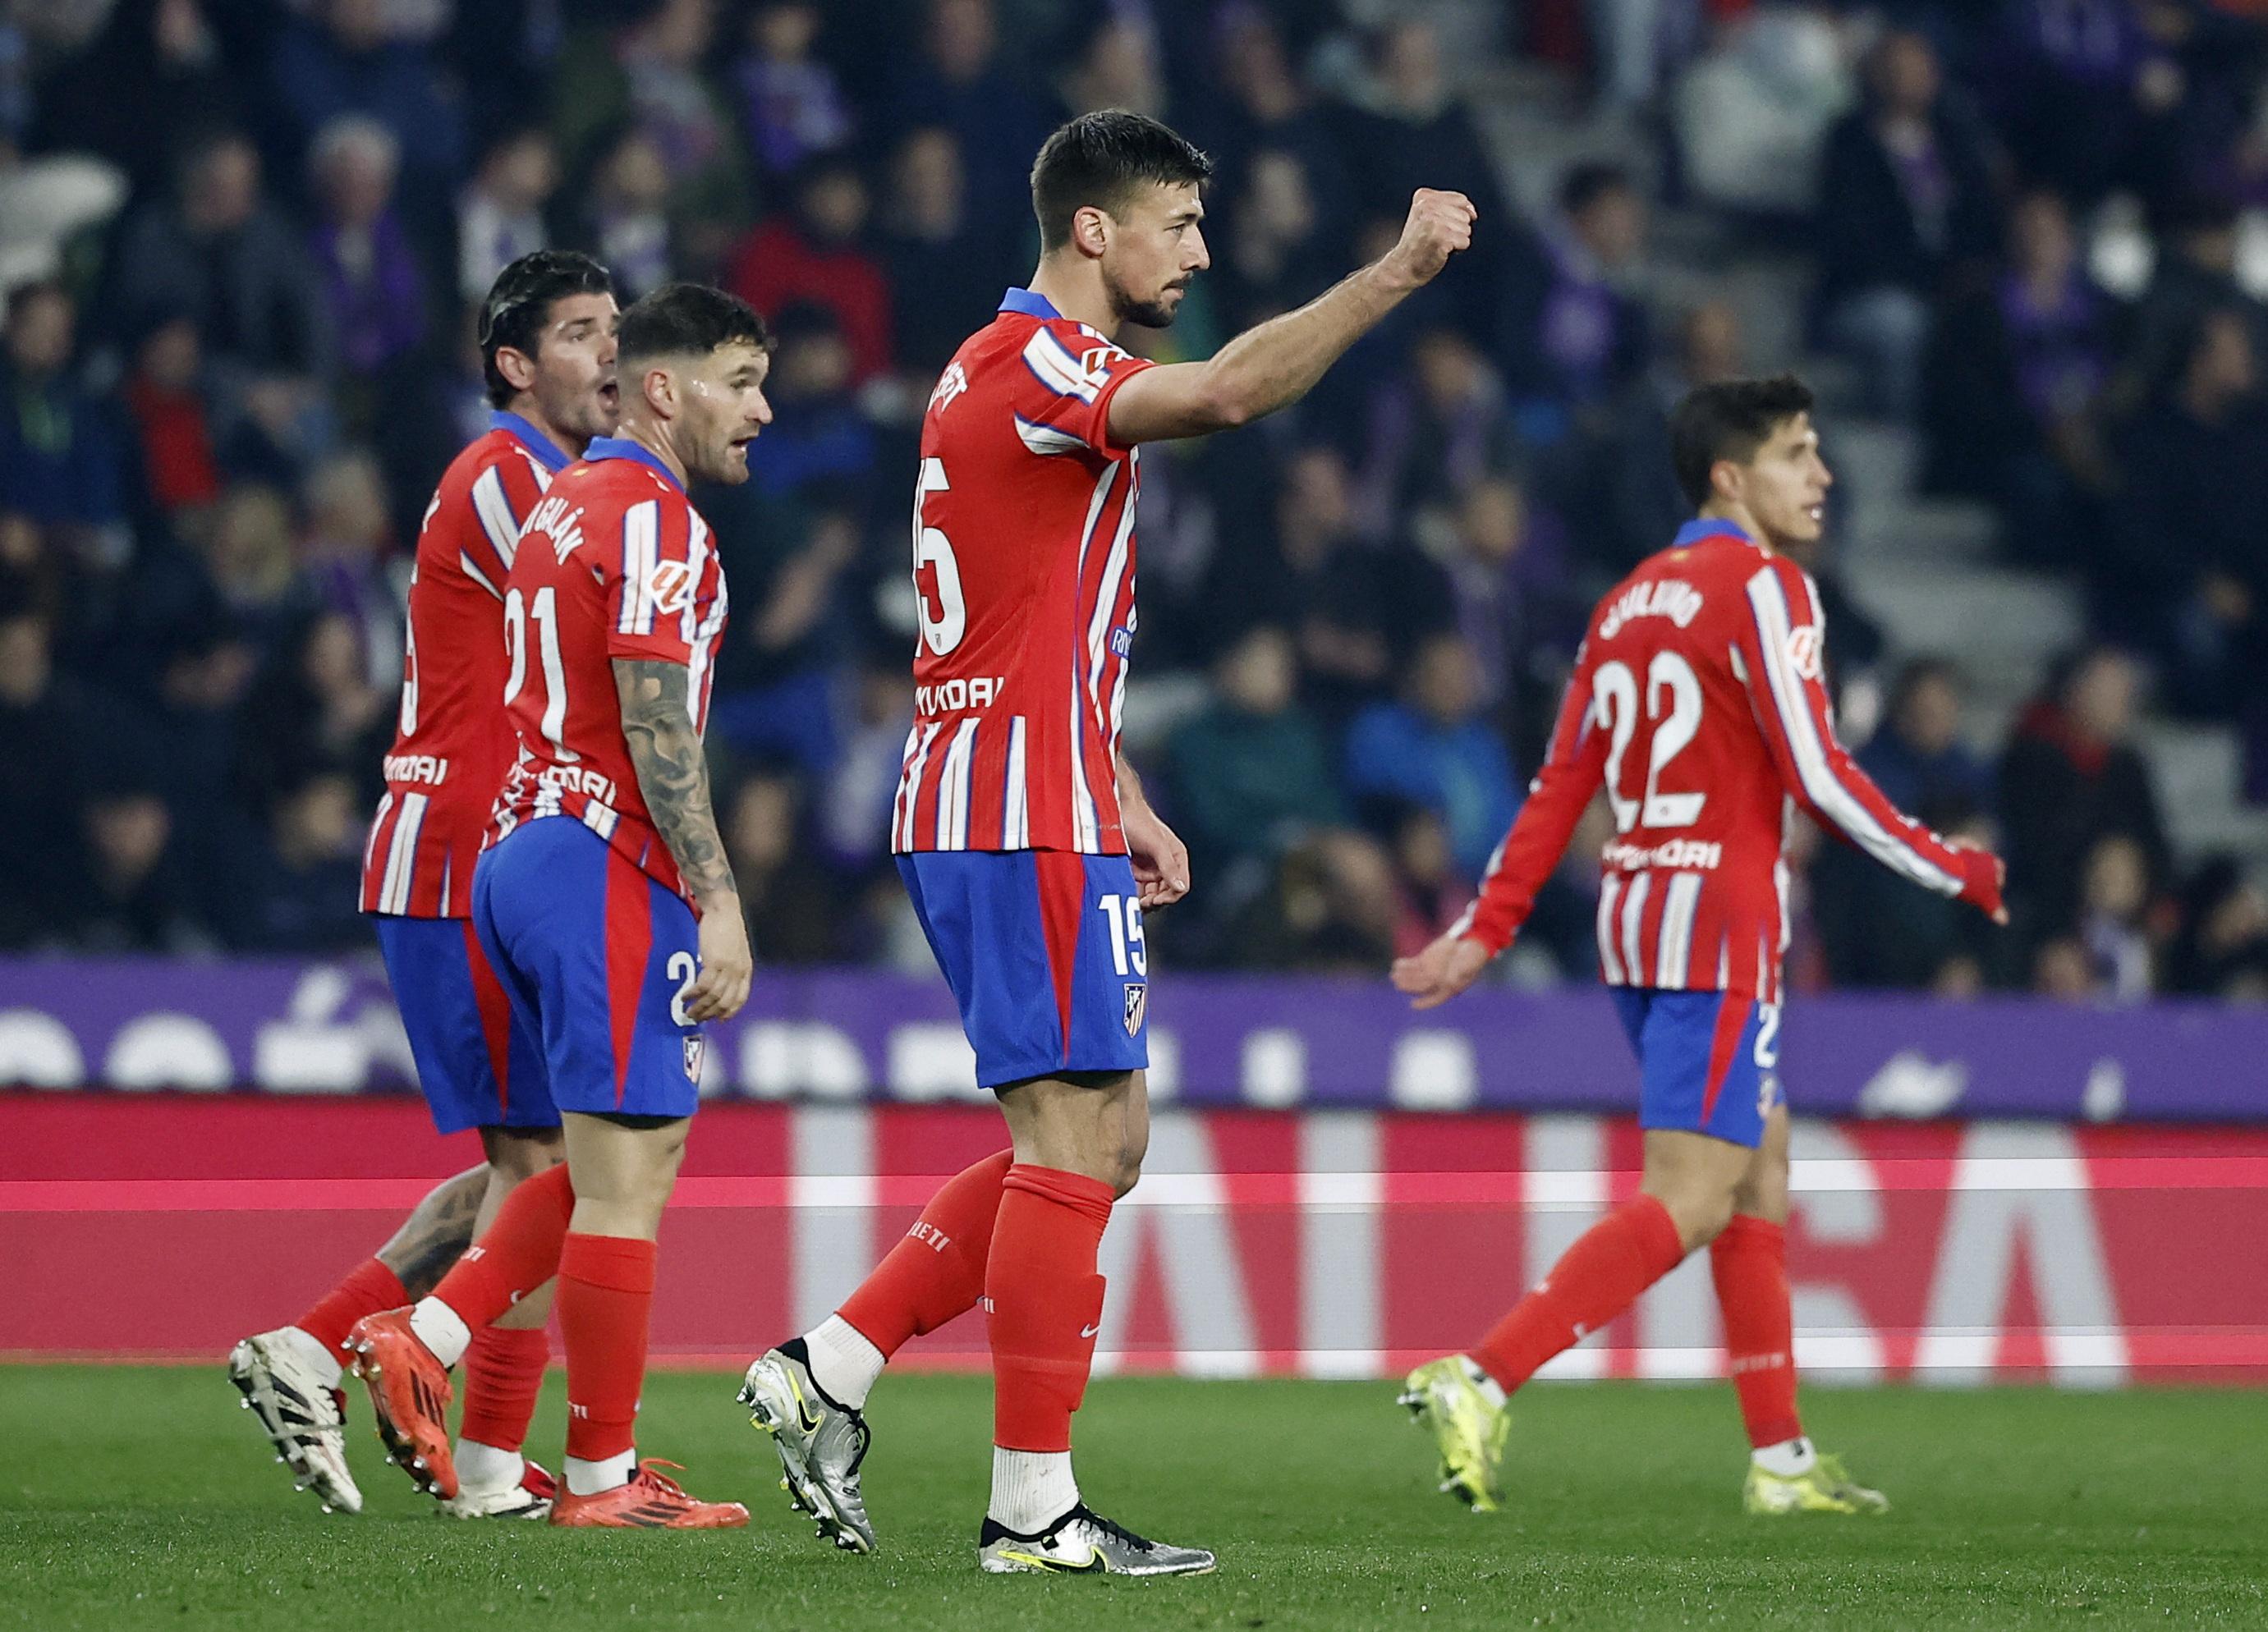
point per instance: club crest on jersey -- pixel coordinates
(697, 1049)
(669, 587)
(1803, 650)
(950, 385)
(1137, 1004)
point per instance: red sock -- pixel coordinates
(937, 1271)
(1594, 1280)
(504, 1373)
(519, 1253)
(1749, 1262)
(1046, 1302)
(606, 1297)
(369, 1287)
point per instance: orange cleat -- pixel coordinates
(409, 1396)
(651, 1501)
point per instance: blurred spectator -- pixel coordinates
(1634, 41)
(820, 448)
(775, 687)
(134, 896)
(1917, 759)
(790, 106)
(2114, 895)
(2072, 778)
(793, 916)
(162, 394)
(1905, 200)
(960, 80)
(1265, 106)
(2017, 376)
(2222, 946)
(815, 254)
(1753, 114)
(255, 567)
(2194, 275)
(44, 737)
(216, 252)
(344, 60)
(1430, 892)
(1252, 772)
(648, 75)
(295, 882)
(1442, 427)
(1414, 132)
(1875, 929)
(342, 558)
(1629, 503)
(944, 278)
(627, 217)
(1435, 749)
(1329, 908)
(62, 451)
(853, 814)
(2186, 576)
(2086, 92)
(1273, 256)
(2063, 971)
(500, 212)
(1118, 69)
(1503, 565)
(369, 273)
(1573, 331)
(156, 71)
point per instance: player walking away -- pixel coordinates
(605, 902)
(546, 340)
(1023, 836)
(1697, 702)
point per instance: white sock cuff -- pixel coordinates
(1031, 1489)
(487, 1467)
(1791, 1458)
(843, 1361)
(596, 1478)
(441, 1329)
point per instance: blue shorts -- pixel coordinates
(1708, 1062)
(1043, 952)
(478, 1065)
(594, 956)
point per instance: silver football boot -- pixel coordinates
(820, 1445)
(1083, 1542)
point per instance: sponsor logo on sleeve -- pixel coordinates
(1803, 650)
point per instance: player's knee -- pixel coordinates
(522, 1153)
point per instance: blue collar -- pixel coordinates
(1029, 305)
(623, 447)
(548, 452)
(1702, 527)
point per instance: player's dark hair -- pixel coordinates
(1730, 419)
(686, 319)
(1099, 159)
(519, 307)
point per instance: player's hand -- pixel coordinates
(1161, 861)
(727, 967)
(1440, 224)
(1445, 968)
(1988, 902)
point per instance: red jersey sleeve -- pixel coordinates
(653, 575)
(1064, 406)
(1572, 770)
(502, 497)
(1782, 647)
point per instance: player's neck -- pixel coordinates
(566, 442)
(655, 440)
(1739, 516)
(1076, 290)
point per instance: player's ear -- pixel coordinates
(1090, 230)
(659, 388)
(517, 367)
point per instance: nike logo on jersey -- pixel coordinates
(1089, 1331)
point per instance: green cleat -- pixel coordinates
(1464, 1410)
(1826, 1489)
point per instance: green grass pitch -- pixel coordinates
(135, 1497)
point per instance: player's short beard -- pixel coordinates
(1127, 309)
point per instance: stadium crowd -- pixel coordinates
(245, 241)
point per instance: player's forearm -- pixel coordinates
(673, 774)
(1275, 364)
(1130, 794)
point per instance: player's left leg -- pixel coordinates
(1748, 1262)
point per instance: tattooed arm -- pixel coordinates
(674, 777)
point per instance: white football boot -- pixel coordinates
(300, 1410)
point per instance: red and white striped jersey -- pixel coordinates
(615, 562)
(1024, 564)
(1698, 702)
(454, 744)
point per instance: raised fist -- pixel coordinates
(1440, 224)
